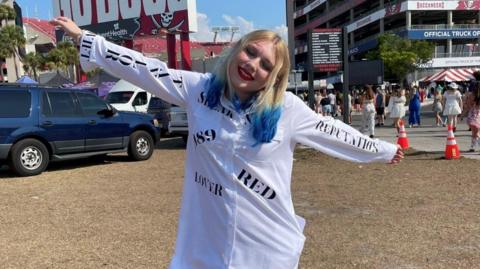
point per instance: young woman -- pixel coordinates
(396, 107)
(325, 103)
(368, 112)
(473, 115)
(452, 104)
(237, 209)
(438, 107)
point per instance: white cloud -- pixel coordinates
(282, 30)
(244, 25)
(205, 34)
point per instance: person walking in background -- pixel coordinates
(368, 111)
(423, 95)
(325, 103)
(339, 104)
(236, 208)
(472, 110)
(333, 103)
(452, 104)
(437, 107)
(318, 98)
(357, 100)
(414, 108)
(380, 106)
(396, 106)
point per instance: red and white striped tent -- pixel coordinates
(449, 75)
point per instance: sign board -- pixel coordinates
(123, 19)
(451, 62)
(308, 8)
(368, 45)
(388, 11)
(444, 5)
(326, 49)
(444, 34)
(366, 72)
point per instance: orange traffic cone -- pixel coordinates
(402, 136)
(451, 151)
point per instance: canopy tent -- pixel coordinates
(26, 80)
(101, 90)
(101, 83)
(58, 80)
(449, 75)
(102, 76)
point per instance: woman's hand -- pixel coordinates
(69, 27)
(398, 155)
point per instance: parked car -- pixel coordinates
(160, 110)
(178, 124)
(39, 125)
(125, 96)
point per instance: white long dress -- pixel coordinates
(452, 105)
(397, 106)
(236, 209)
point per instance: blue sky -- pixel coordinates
(247, 14)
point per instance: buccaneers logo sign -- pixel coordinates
(468, 5)
(120, 19)
(393, 9)
(169, 19)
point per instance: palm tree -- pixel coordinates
(55, 59)
(32, 62)
(6, 13)
(71, 56)
(62, 57)
(11, 37)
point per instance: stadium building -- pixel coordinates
(453, 26)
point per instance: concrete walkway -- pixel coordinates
(427, 137)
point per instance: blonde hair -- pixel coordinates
(272, 94)
(269, 99)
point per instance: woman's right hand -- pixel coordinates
(69, 27)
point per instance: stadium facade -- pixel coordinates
(453, 26)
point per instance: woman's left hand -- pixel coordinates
(398, 155)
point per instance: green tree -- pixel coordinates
(33, 62)
(401, 56)
(11, 38)
(6, 13)
(62, 57)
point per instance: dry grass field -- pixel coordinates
(422, 213)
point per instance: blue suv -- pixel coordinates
(39, 124)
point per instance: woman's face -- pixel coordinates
(250, 69)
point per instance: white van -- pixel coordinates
(125, 96)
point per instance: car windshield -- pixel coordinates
(119, 97)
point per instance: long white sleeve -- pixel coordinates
(149, 74)
(336, 138)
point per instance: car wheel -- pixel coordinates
(29, 157)
(141, 146)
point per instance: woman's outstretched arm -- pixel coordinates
(338, 139)
(153, 75)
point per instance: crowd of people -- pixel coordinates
(451, 102)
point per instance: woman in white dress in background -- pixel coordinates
(396, 106)
(452, 104)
